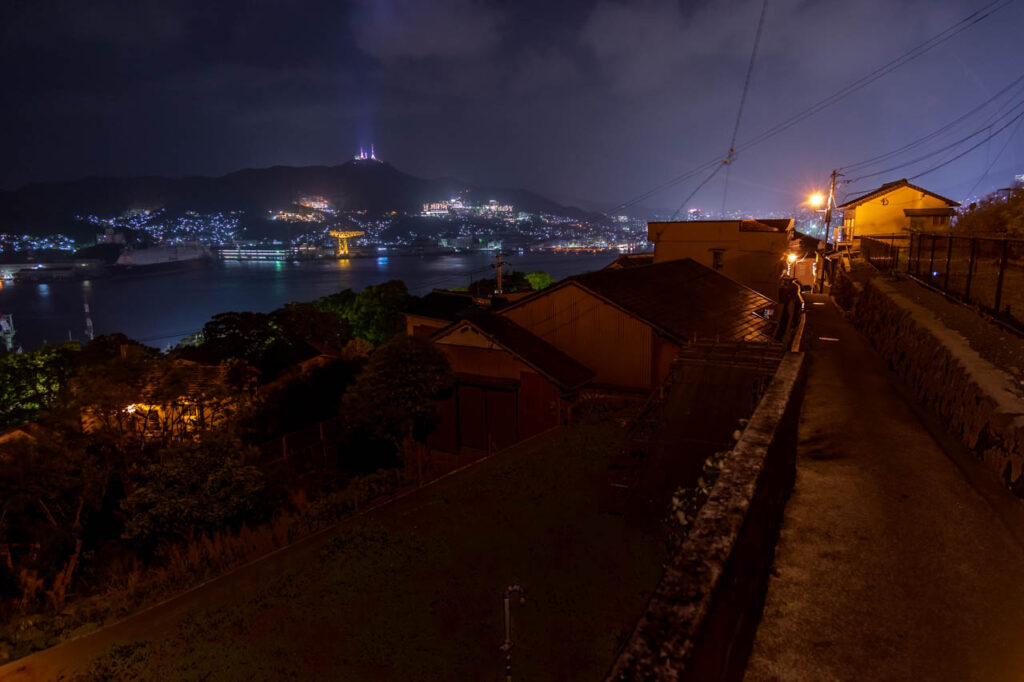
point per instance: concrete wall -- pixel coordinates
(970, 394)
(701, 620)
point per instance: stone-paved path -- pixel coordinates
(890, 565)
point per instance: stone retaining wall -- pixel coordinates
(972, 396)
(701, 619)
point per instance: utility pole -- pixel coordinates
(828, 206)
(499, 266)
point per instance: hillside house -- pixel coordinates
(627, 325)
(510, 384)
(174, 401)
(520, 367)
(893, 208)
(437, 310)
(751, 252)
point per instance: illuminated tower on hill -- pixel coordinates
(363, 156)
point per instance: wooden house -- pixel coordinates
(752, 252)
(628, 324)
(510, 384)
(893, 208)
(437, 310)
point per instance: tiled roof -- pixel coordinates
(889, 187)
(766, 225)
(746, 225)
(630, 260)
(442, 305)
(684, 299)
(534, 350)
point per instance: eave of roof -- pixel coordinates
(909, 212)
(442, 305)
(552, 363)
(680, 299)
(891, 187)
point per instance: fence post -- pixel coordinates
(931, 259)
(1002, 271)
(949, 255)
(970, 271)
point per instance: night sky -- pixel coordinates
(590, 103)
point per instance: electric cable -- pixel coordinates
(993, 162)
(921, 140)
(1016, 118)
(743, 100)
(894, 64)
(940, 149)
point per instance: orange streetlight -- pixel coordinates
(816, 199)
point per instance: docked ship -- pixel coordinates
(161, 259)
(83, 268)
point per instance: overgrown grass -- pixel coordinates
(413, 591)
(184, 565)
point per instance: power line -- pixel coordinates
(994, 159)
(885, 69)
(971, 149)
(743, 100)
(698, 188)
(935, 133)
(941, 149)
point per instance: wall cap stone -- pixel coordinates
(663, 640)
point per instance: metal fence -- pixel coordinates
(984, 271)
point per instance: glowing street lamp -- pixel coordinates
(816, 199)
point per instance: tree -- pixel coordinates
(136, 399)
(50, 485)
(194, 487)
(30, 383)
(511, 283)
(305, 322)
(377, 311)
(997, 214)
(242, 336)
(539, 280)
(395, 396)
(340, 303)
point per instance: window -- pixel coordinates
(716, 259)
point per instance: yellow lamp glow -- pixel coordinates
(791, 257)
(816, 199)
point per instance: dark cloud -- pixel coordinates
(583, 99)
(411, 29)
